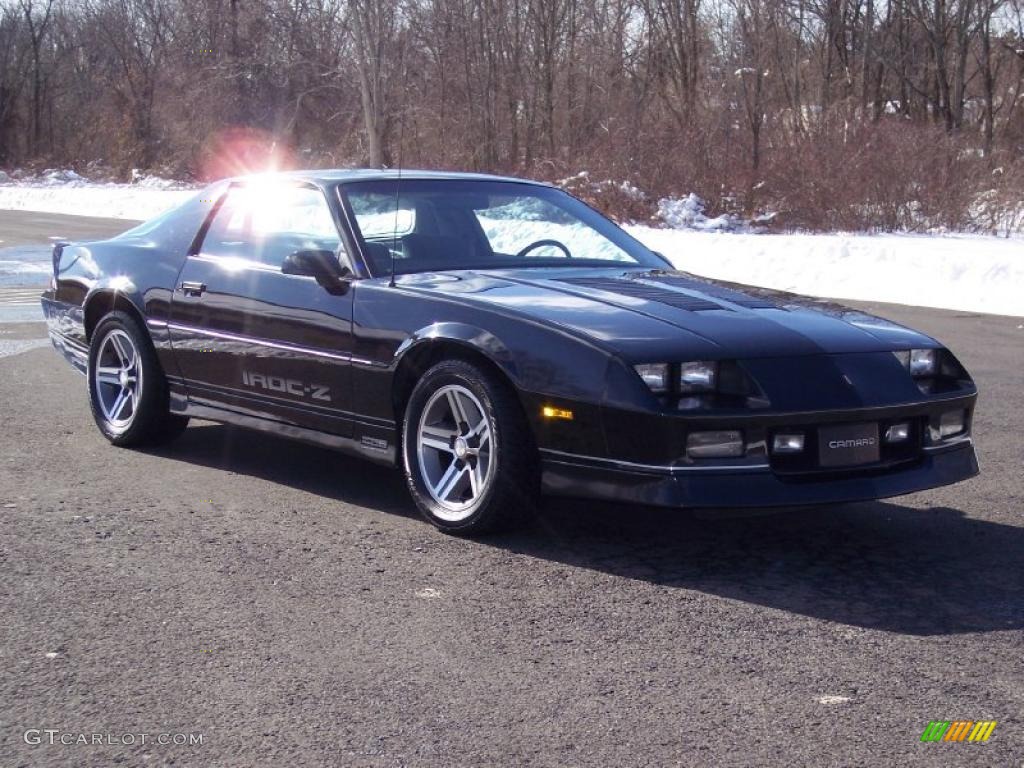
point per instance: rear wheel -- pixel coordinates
(470, 461)
(127, 388)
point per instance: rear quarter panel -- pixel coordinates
(139, 267)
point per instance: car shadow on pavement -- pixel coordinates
(319, 471)
(877, 565)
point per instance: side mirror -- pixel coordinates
(322, 265)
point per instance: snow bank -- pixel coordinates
(688, 213)
(64, 191)
(972, 273)
(114, 202)
(98, 178)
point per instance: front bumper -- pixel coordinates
(567, 474)
(650, 464)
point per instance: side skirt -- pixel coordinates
(364, 447)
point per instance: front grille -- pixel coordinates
(805, 463)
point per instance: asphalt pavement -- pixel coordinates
(37, 227)
(288, 607)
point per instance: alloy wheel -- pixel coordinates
(117, 377)
(455, 451)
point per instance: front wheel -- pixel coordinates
(127, 388)
(470, 460)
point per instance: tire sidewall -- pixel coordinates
(465, 375)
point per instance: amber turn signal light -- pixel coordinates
(548, 412)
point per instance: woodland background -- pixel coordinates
(829, 114)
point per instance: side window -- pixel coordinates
(265, 223)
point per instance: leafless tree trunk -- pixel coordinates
(375, 23)
(675, 26)
(37, 19)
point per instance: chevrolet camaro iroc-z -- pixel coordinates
(497, 339)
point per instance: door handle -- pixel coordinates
(190, 288)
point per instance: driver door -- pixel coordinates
(251, 339)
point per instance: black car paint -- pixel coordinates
(562, 336)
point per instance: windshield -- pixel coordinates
(442, 224)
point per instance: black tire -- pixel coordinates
(513, 483)
(151, 423)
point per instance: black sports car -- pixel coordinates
(497, 338)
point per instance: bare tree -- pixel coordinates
(376, 24)
(678, 37)
(37, 20)
(890, 113)
(751, 23)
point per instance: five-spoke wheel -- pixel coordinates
(454, 450)
(127, 388)
(118, 378)
(470, 459)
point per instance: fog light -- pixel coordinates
(951, 423)
(788, 443)
(897, 433)
(714, 445)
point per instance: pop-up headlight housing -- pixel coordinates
(655, 376)
(933, 370)
(698, 377)
(921, 363)
(699, 384)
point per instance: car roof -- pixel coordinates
(341, 175)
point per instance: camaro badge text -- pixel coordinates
(859, 442)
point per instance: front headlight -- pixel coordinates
(691, 378)
(654, 375)
(697, 377)
(701, 384)
(921, 363)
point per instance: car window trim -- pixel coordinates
(200, 236)
(350, 230)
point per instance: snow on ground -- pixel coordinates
(112, 201)
(973, 273)
(688, 213)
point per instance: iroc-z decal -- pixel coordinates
(288, 386)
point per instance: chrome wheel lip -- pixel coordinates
(117, 379)
(454, 451)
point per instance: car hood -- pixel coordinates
(668, 315)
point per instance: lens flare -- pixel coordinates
(241, 151)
